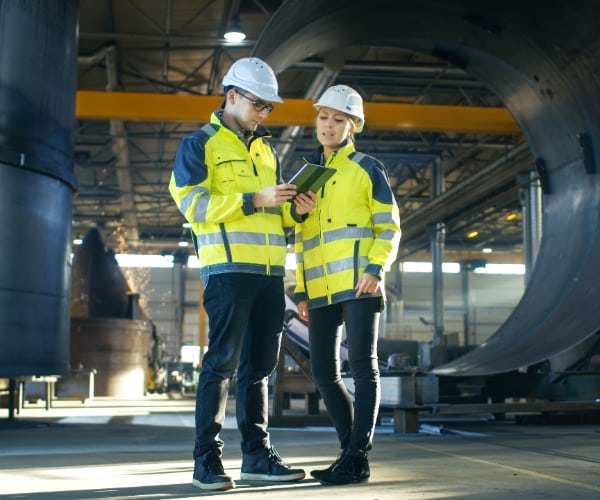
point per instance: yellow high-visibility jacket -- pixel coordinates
(215, 174)
(354, 228)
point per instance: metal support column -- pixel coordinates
(531, 207)
(437, 257)
(464, 271)
(180, 260)
(466, 266)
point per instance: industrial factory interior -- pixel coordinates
(486, 116)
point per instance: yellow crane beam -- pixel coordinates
(132, 106)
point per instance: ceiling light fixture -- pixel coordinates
(234, 32)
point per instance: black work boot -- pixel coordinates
(209, 473)
(348, 469)
(317, 473)
(265, 464)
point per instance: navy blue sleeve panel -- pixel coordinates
(375, 270)
(248, 203)
(378, 175)
(296, 216)
(190, 166)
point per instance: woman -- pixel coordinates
(342, 249)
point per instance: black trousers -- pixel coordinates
(245, 316)
(354, 423)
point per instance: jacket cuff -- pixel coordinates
(374, 269)
(295, 216)
(300, 297)
(248, 203)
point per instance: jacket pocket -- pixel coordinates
(232, 172)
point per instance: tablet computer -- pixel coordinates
(311, 177)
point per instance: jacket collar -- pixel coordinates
(216, 118)
(345, 148)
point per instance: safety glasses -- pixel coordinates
(256, 104)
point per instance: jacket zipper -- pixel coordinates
(266, 233)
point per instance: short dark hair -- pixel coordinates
(225, 90)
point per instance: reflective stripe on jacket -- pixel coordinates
(215, 173)
(354, 228)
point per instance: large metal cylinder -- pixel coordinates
(117, 349)
(38, 63)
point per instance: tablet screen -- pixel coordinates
(311, 177)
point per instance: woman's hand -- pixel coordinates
(367, 283)
(305, 202)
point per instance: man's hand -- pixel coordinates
(305, 202)
(273, 196)
(303, 310)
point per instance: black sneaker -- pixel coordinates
(317, 473)
(209, 473)
(267, 465)
(347, 470)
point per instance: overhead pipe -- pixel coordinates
(95, 58)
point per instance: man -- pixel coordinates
(225, 182)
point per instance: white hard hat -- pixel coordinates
(345, 99)
(255, 76)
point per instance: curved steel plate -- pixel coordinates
(544, 77)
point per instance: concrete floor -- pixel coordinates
(120, 449)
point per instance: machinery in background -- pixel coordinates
(566, 384)
(167, 374)
(110, 332)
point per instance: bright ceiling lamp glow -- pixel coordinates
(426, 267)
(512, 269)
(234, 32)
(473, 234)
(145, 261)
(486, 250)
